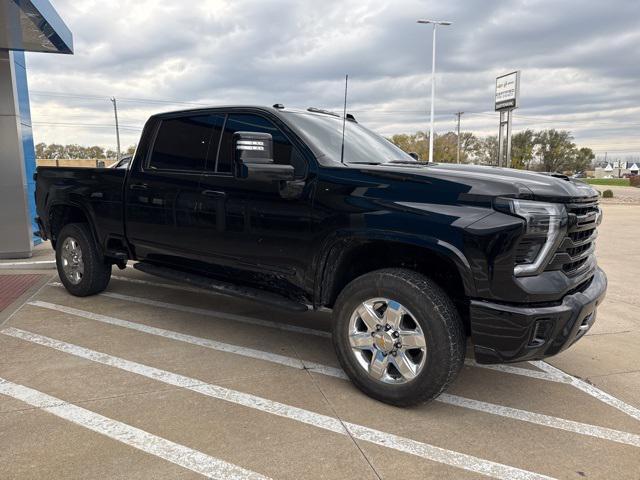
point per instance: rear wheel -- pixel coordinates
(81, 267)
(398, 336)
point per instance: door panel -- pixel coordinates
(163, 192)
(257, 226)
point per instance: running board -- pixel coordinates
(206, 283)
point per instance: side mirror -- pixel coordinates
(254, 158)
(414, 155)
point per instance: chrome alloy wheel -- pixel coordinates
(387, 341)
(72, 263)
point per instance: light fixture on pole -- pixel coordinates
(435, 23)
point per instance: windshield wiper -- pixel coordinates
(406, 162)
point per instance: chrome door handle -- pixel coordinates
(213, 193)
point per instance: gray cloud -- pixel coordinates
(580, 63)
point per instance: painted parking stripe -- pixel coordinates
(549, 372)
(202, 342)
(293, 328)
(203, 311)
(28, 263)
(544, 420)
(186, 457)
(589, 389)
(406, 445)
(485, 407)
(515, 371)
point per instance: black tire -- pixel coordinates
(96, 273)
(433, 311)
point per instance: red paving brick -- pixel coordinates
(12, 286)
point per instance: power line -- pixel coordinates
(123, 99)
(89, 125)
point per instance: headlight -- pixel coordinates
(545, 226)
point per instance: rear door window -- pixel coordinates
(183, 143)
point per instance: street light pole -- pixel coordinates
(435, 23)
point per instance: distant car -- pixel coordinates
(608, 176)
(579, 175)
(124, 162)
(629, 175)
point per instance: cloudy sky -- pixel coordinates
(580, 63)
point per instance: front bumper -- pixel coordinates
(506, 333)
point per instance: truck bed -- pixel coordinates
(98, 192)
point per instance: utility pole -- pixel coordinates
(115, 113)
(458, 114)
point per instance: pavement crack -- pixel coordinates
(337, 416)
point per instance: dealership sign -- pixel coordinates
(507, 91)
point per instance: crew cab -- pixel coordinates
(304, 209)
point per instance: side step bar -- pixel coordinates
(224, 288)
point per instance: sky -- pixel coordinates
(580, 64)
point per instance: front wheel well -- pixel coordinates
(368, 256)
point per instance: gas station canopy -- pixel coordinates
(33, 26)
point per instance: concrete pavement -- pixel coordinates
(241, 389)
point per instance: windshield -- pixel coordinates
(360, 144)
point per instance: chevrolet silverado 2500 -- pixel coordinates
(271, 204)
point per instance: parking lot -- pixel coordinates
(156, 380)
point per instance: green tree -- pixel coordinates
(95, 152)
(130, 150)
(54, 150)
(556, 149)
(445, 148)
(522, 149)
(583, 159)
(41, 148)
(416, 143)
(486, 151)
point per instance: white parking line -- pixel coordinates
(28, 263)
(549, 372)
(515, 371)
(589, 389)
(202, 342)
(406, 445)
(266, 323)
(544, 420)
(186, 457)
(209, 313)
(490, 408)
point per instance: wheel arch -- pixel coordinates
(348, 258)
(64, 213)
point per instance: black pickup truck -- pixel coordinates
(302, 209)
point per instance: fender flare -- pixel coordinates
(336, 248)
(85, 212)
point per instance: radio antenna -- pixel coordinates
(344, 117)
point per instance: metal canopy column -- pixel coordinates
(25, 25)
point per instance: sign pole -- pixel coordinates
(507, 97)
(501, 138)
(507, 162)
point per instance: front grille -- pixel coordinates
(574, 256)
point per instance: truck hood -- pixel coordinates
(491, 182)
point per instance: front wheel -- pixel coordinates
(398, 336)
(81, 267)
